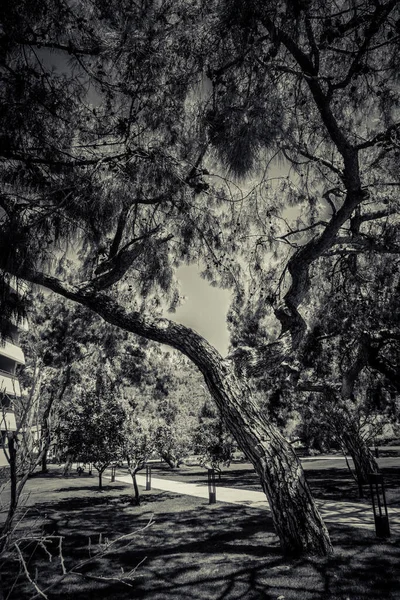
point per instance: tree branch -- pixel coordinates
(312, 40)
(350, 376)
(380, 14)
(162, 330)
(313, 158)
(321, 100)
(379, 214)
(119, 231)
(380, 137)
(74, 162)
(366, 244)
(70, 48)
(113, 269)
(300, 261)
(297, 231)
(390, 371)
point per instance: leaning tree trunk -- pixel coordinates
(363, 459)
(297, 521)
(43, 467)
(171, 460)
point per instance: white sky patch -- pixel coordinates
(204, 309)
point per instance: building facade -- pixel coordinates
(11, 356)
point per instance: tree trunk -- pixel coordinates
(12, 507)
(100, 480)
(295, 516)
(45, 429)
(67, 466)
(171, 461)
(296, 519)
(44, 468)
(136, 499)
(16, 488)
(45, 434)
(15, 492)
(363, 459)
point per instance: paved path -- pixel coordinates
(350, 513)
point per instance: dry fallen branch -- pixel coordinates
(105, 547)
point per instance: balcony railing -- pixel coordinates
(10, 350)
(9, 384)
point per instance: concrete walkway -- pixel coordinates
(356, 514)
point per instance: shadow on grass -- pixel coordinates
(105, 501)
(239, 557)
(338, 484)
(92, 488)
(196, 551)
(332, 484)
(391, 477)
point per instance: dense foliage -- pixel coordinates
(121, 124)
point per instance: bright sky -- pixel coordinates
(205, 308)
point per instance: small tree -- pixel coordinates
(90, 431)
(138, 443)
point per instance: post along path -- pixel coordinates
(357, 514)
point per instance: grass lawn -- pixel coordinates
(191, 551)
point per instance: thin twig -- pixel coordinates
(28, 575)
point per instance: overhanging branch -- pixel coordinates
(158, 329)
(117, 266)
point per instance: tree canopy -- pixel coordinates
(136, 137)
(108, 169)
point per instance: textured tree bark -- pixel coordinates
(297, 521)
(363, 459)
